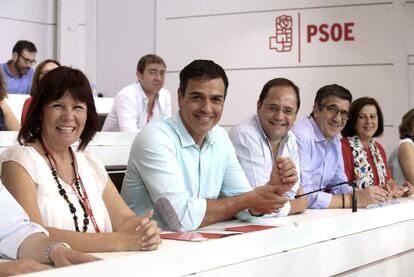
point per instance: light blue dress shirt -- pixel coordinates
(171, 174)
(321, 163)
(15, 225)
(17, 85)
(255, 155)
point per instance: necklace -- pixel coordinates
(63, 193)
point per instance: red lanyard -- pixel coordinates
(85, 199)
(149, 116)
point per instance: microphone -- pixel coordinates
(354, 199)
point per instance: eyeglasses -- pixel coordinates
(28, 61)
(333, 110)
(274, 109)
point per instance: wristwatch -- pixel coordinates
(51, 247)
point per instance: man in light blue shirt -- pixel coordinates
(185, 168)
(265, 137)
(320, 148)
(20, 238)
(18, 71)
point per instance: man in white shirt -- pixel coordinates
(265, 137)
(137, 104)
(28, 242)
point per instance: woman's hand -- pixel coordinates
(150, 233)
(371, 195)
(409, 189)
(20, 267)
(140, 233)
(399, 191)
(62, 256)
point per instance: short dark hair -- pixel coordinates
(38, 71)
(202, 70)
(407, 125)
(331, 90)
(147, 59)
(355, 109)
(279, 82)
(22, 45)
(52, 87)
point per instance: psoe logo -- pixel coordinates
(282, 41)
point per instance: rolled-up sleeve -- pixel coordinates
(164, 180)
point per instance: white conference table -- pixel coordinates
(374, 242)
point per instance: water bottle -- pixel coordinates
(94, 92)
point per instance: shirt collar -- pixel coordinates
(319, 137)
(143, 95)
(185, 138)
(7, 70)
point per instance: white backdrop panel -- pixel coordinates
(180, 8)
(410, 27)
(31, 20)
(43, 36)
(125, 32)
(411, 81)
(241, 40)
(28, 10)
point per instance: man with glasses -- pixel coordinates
(320, 153)
(18, 71)
(265, 138)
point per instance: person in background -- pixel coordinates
(365, 160)
(66, 189)
(265, 137)
(185, 168)
(320, 153)
(401, 160)
(145, 100)
(40, 71)
(18, 71)
(28, 242)
(8, 122)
